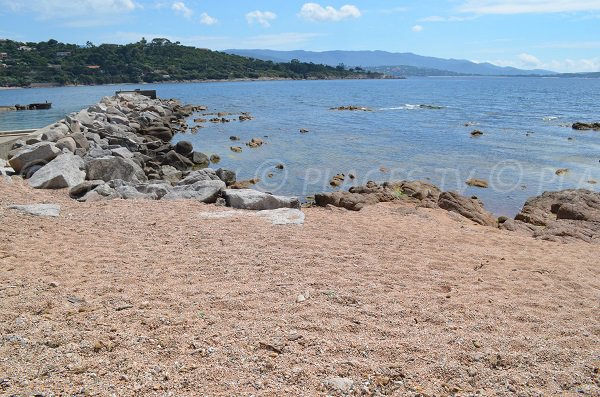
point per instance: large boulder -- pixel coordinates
(67, 143)
(39, 153)
(109, 168)
(205, 174)
(178, 161)
(250, 199)
(206, 191)
(54, 132)
(226, 176)
(470, 208)
(165, 134)
(184, 148)
(199, 159)
(84, 187)
(64, 171)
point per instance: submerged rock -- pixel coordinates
(586, 126)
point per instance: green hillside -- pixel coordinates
(22, 64)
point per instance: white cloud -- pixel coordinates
(263, 18)
(317, 13)
(528, 61)
(437, 18)
(206, 19)
(417, 28)
(61, 9)
(180, 8)
(528, 6)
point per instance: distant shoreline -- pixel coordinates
(237, 80)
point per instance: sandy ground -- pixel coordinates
(148, 298)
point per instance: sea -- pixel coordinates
(415, 128)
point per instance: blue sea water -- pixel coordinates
(526, 124)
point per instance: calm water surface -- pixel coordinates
(526, 124)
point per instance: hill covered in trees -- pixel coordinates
(23, 64)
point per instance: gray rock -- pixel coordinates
(226, 176)
(118, 119)
(341, 385)
(178, 161)
(200, 159)
(156, 190)
(250, 199)
(97, 152)
(85, 118)
(84, 187)
(283, 216)
(170, 174)
(206, 174)
(109, 168)
(53, 132)
(131, 193)
(184, 148)
(64, 171)
(67, 143)
(206, 191)
(49, 210)
(40, 153)
(122, 152)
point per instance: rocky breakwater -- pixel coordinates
(420, 193)
(121, 148)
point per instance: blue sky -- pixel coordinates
(561, 35)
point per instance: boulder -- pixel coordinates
(67, 143)
(206, 191)
(170, 174)
(254, 200)
(84, 187)
(350, 201)
(200, 160)
(46, 210)
(122, 152)
(165, 134)
(64, 171)
(178, 161)
(470, 208)
(109, 168)
(226, 176)
(205, 174)
(53, 132)
(40, 153)
(184, 148)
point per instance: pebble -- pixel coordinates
(343, 385)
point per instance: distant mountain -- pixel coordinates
(378, 59)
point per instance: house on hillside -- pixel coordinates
(24, 48)
(94, 67)
(55, 67)
(63, 54)
(3, 55)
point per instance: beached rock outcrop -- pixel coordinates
(469, 207)
(563, 216)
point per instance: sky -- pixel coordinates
(558, 35)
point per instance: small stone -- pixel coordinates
(300, 298)
(476, 133)
(215, 158)
(234, 138)
(477, 183)
(477, 344)
(235, 149)
(98, 346)
(561, 171)
(53, 284)
(303, 130)
(342, 385)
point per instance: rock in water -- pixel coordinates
(109, 168)
(226, 176)
(477, 183)
(63, 171)
(178, 161)
(470, 208)
(49, 210)
(249, 199)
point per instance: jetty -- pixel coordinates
(31, 106)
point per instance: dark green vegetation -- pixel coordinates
(22, 64)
